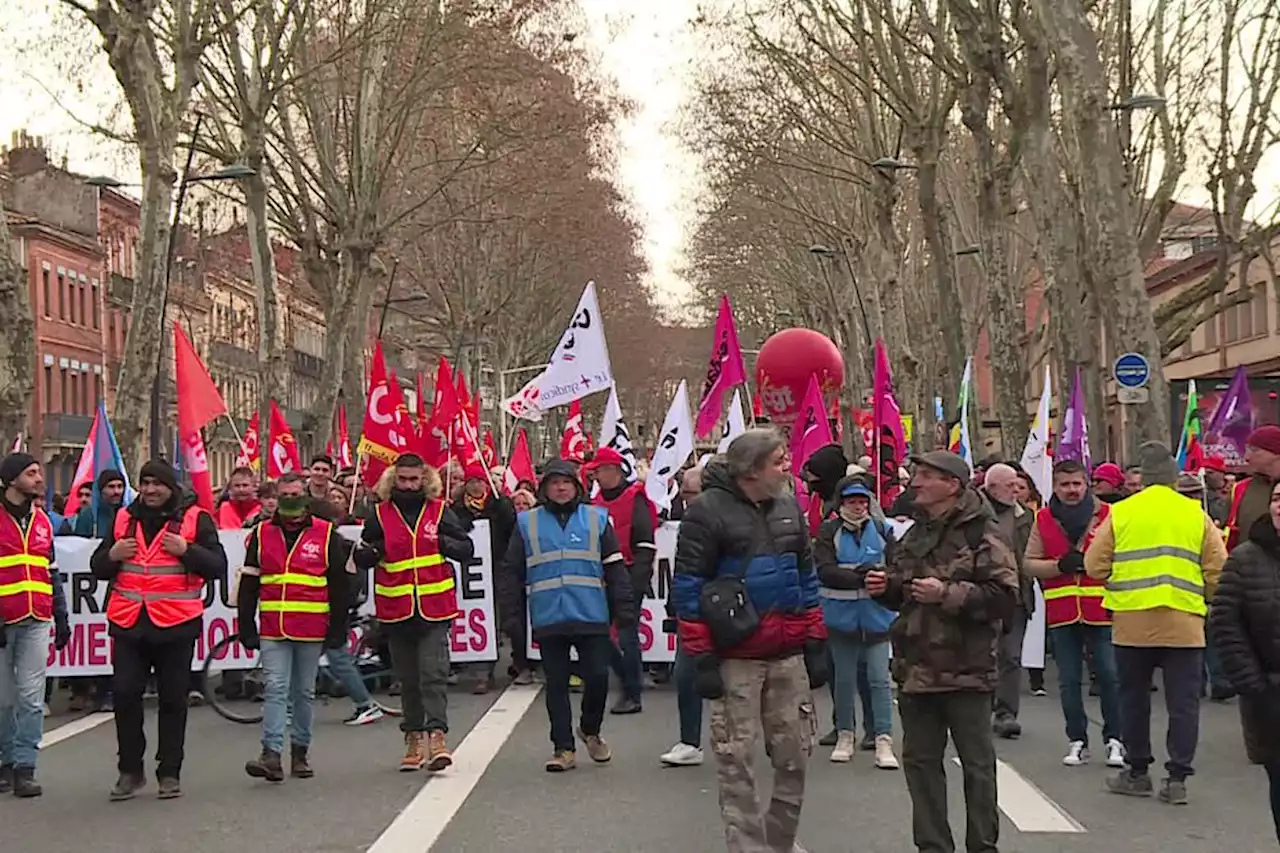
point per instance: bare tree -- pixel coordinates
(17, 344)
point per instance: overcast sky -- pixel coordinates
(645, 45)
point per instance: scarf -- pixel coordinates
(476, 505)
(851, 519)
(1074, 519)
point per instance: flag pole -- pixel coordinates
(351, 499)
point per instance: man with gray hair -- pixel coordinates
(750, 621)
(1013, 525)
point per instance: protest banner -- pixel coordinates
(474, 638)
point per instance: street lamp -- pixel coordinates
(969, 250)
(892, 164)
(1141, 101)
(821, 251)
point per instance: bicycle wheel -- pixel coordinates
(244, 704)
(375, 671)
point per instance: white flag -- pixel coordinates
(675, 446)
(614, 433)
(578, 367)
(737, 423)
(1036, 460)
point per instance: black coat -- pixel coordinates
(501, 515)
(1244, 626)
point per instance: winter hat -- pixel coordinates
(158, 469)
(1109, 473)
(606, 456)
(1157, 464)
(476, 471)
(13, 466)
(1265, 438)
(856, 488)
(827, 465)
(109, 476)
(1189, 484)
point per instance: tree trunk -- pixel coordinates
(937, 231)
(272, 365)
(17, 344)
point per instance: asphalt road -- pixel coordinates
(498, 798)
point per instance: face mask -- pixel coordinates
(291, 507)
(404, 493)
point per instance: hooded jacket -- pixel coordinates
(724, 532)
(951, 645)
(510, 580)
(864, 618)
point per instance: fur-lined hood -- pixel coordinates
(432, 485)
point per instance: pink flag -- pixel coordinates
(724, 370)
(811, 429)
(891, 442)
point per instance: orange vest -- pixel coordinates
(413, 575)
(26, 587)
(1069, 599)
(229, 518)
(294, 602)
(154, 578)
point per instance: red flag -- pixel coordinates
(344, 439)
(198, 403)
(575, 443)
(520, 466)
(490, 450)
(283, 456)
(386, 432)
(249, 455)
(891, 444)
(725, 369)
(433, 438)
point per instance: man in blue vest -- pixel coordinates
(564, 554)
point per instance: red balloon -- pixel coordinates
(784, 365)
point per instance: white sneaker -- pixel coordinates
(846, 745)
(885, 759)
(47, 712)
(1115, 753)
(364, 716)
(1077, 754)
(682, 755)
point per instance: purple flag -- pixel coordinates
(1231, 423)
(1074, 443)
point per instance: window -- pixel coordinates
(48, 387)
(97, 304)
(1203, 243)
(62, 295)
(75, 393)
(1211, 330)
(71, 299)
(1246, 320)
(97, 389)
(45, 293)
(86, 387)
(62, 389)
(84, 304)
(112, 343)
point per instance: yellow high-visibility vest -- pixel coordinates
(1159, 536)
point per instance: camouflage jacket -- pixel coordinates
(951, 645)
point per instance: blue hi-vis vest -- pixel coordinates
(564, 575)
(853, 611)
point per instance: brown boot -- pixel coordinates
(597, 747)
(561, 761)
(299, 767)
(415, 753)
(438, 753)
(266, 766)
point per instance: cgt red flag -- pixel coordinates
(575, 443)
(198, 403)
(520, 467)
(249, 455)
(490, 450)
(283, 455)
(386, 432)
(434, 435)
(344, 439)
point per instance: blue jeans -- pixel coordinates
(22, 670)
(289, 667)
(1273, 777)
(342, 666)
(1069, 643)
(847, 652)
(688, 701)
(626, 662)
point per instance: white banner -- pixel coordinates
(675, 446)
(614, 433)
(475, 632)
(737, 423)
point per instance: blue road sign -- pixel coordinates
(1132, 370)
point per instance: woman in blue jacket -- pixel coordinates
(846, 548)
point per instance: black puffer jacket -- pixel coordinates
(1244, 626)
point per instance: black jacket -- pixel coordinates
(204, 557)
(501, 515)
(1244, 626)
(339, 584)
(511, 576)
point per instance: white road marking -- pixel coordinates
(1027, 807)
(75, 727)
(423, 821)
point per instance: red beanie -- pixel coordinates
(476, 471)
(1265, 438)
(606, 456)
(1109, 472)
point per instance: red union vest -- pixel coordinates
(154, 578)
(413, 575)
(26, 587)
(294, 602)
(622, 511)
(229, 518)
(1069, 599)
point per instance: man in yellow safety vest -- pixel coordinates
(1160, 556)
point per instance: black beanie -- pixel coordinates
(13, 466)
(109, 476)
(158, 469)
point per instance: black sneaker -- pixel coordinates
(26, 786)
(1006, 726)
(1130, 784)
(1173, 792)
(127, 787)
(169, 788)
(626, 706)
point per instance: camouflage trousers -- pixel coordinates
(773, 696)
